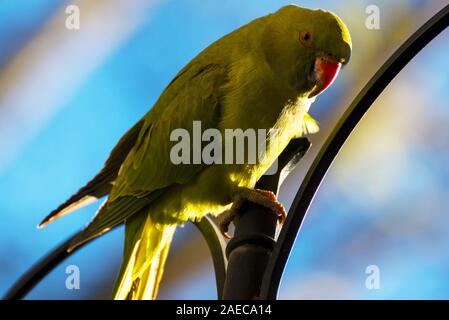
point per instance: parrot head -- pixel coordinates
(306, 48)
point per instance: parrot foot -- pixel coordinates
(264, 198)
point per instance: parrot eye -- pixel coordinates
(306, 38)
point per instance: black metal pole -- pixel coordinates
(254, 238)
(335, 141)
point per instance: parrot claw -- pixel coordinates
(224, 228)
(264, 198)
(229, 215)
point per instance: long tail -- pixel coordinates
(145, 253)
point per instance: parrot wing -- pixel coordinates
(148, 171)
(194, 96)
(101, 184)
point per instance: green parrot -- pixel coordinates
(264, 75)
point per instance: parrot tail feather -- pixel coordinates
(144, 260)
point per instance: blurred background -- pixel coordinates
(66, 96)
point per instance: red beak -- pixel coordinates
(325, 71)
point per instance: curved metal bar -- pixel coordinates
(217, 245)
(335, 141)
(46, 264)
(39, 270)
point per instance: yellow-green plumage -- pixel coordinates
(256, 77)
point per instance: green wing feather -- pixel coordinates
(147, 170)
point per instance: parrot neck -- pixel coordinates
(290, 119)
